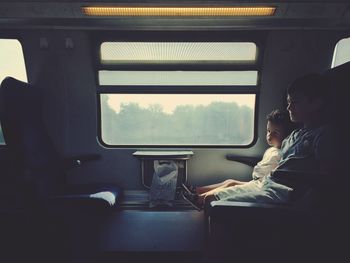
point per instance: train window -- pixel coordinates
(341, 52)
(177, 93)
(11, 64)
(177, 119)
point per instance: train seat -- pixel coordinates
(40, 167)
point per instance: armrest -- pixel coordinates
(306, 176)
(221, 204)
(243, 228)
(77, 160)
(227, 208)
(239, 216)
(248, 160)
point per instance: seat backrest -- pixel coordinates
(25, 134)
(338, 80)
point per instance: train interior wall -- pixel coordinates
(68, 79)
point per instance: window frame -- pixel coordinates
(257, 37)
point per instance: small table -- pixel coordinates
(148, 157)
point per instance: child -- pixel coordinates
(278, 128)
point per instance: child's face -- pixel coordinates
(302, 109)
(274, 135)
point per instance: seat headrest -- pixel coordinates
(339, 74)
(16, 95)
(11, 87)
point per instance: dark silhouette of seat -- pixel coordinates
(41, 170)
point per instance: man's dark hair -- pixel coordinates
(312, 85)
(281, 118)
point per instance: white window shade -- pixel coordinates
(177, 52)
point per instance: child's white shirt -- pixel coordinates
(262, 188)
(269, 162)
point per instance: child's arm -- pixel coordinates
(268, 163)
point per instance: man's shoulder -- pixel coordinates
(296, 133)
(315, 132)
(321, 133)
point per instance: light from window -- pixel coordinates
(177, 119)
(12, 60)
(341, 52)
(11, 64)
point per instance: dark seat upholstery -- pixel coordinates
(40, 168)
(301, 231)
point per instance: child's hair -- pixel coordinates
(281, 118)
(312, 85)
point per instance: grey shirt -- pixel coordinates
(303, 150)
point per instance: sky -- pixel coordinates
(170, 101)
(11, 60)
(342, 52)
